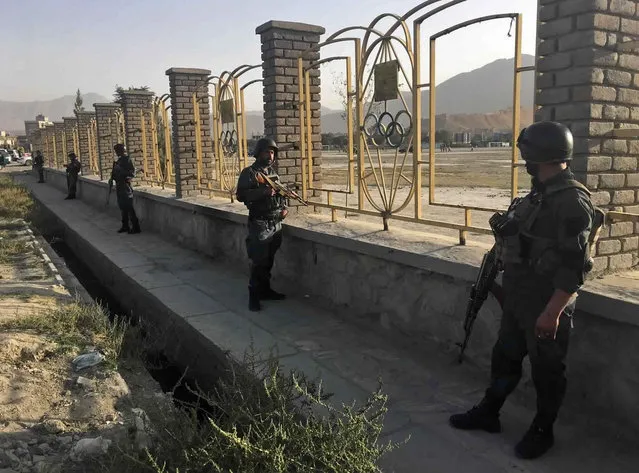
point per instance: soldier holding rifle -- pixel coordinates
(543, 245)
(259, 188)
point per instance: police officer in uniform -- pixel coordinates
(122, 173)
(266, 212)
(544, 251)
(73, 169)
(38, 164)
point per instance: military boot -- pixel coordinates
(535, 442)
(124, 230)
(254, 300)
(269, 294)
(480, 417)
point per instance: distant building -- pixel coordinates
(7, 141)
(32, 125)
(463, 137)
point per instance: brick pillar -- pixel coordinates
(48, 139)
(137, 104)
(70, 126)
(84, 122)
(36, 143)
(60, 143)
(587, 80)
(282, 44)
(106, 123)
(182, 84)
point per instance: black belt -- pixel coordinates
(269, 218)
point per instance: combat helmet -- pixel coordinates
(546, 142)
(263, 144)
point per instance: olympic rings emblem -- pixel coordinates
(387, 129)
(228, 139)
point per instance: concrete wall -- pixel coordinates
(410, 297)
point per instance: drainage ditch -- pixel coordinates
(167, 374)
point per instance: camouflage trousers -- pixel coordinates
(263, 240)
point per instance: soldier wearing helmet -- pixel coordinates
(266, 212)
(543, 248)
(73, 169)
(122, 174)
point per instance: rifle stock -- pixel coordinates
(478, 295)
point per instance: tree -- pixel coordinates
(78, 102)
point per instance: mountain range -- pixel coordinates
(480, 98)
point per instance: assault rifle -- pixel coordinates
(279, 188)
(478, 294)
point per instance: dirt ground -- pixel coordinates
(46, 407)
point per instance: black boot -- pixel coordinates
(135, 230)
(254, 300)
(535, 443)
(124, 230)
(269, 294)
(481, 417)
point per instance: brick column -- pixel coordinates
(135, 104)
(84, 122)
(70, 125)
(587, 80)
(106, 123)
(47, 142)
(282, 44)
(60, 143)
(182, 84)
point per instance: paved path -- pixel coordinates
(424, 388)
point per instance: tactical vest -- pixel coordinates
(517, 223)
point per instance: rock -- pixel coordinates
(6, 470)
(8, 458)
(51, 426)
(142, 426)
(22, 452)
(38, 458)
(89, 447)
(32, 442)
(65, 440)
(42, 449)
(23, 445)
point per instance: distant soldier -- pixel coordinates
(122, 173)
(38, 165)
(544, 249)
(73, 169)
(267, 209)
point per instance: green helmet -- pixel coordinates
(546, 142)
(263, 144)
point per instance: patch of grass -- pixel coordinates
(10, 248)
(77, 324)
(260, 419)
(15, 201)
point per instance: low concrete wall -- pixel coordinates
(410, 296)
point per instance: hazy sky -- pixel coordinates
(53, 47)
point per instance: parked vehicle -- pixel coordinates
(25, 160)
(5, 158)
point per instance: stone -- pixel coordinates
(618, 78)
(630, 243)
(608, 247)
(612, 181)
(600, 198)
(632, 180)
(629, 61)
(616, 112)
(623, 7)
(89, 447)
(51, 426)
(623, 163)
(622, 197)
(42, 449)
(619, 229)
(614, 146)
(629, 96)
(622, 261)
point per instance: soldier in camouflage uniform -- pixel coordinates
(122, 173)
(266, 212)
(38, 165)
(545, 255)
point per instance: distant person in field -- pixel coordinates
(38, 165)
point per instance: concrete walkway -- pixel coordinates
(424, 388)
